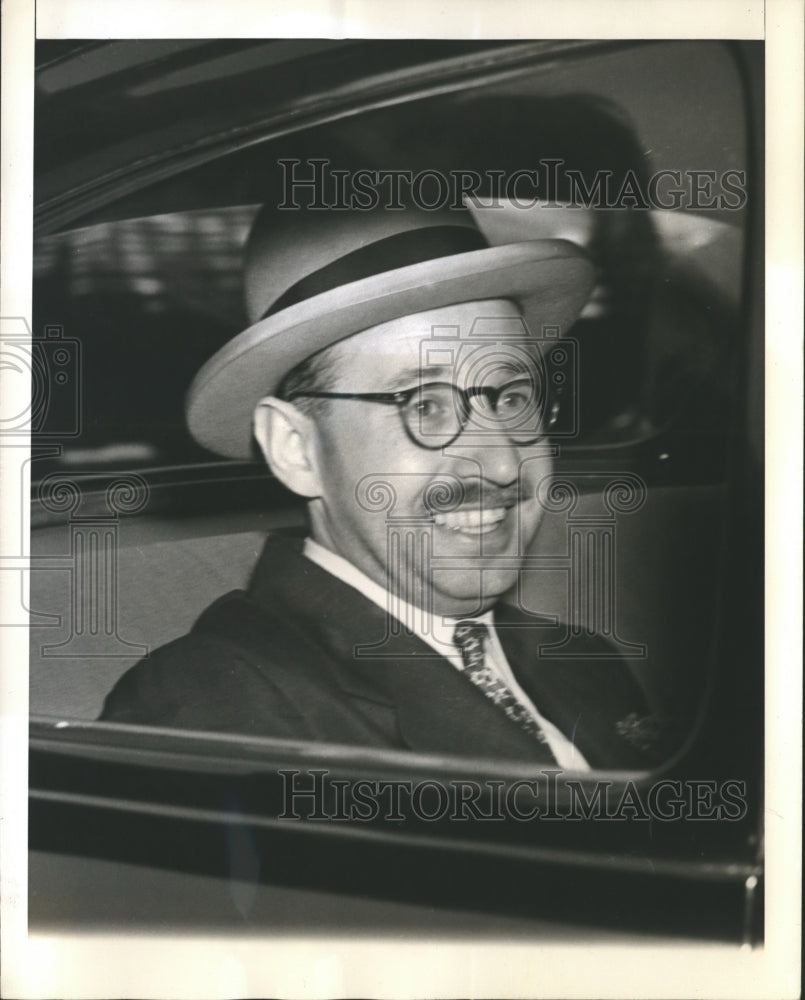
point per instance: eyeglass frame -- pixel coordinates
(402, 397)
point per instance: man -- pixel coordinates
(390, 380)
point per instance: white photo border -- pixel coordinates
(100, 965)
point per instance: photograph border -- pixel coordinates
(103, 965)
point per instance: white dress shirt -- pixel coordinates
(437, 632)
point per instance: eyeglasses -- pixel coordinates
(435, 414)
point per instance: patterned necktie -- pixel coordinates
(470, 637)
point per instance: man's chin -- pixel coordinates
(469, 593)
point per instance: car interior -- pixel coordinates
(152, 160)
(151, 293)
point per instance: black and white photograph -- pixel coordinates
(393, 557)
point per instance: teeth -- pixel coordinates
(474, 522)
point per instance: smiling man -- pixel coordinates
(390, 380)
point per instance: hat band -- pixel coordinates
(400, 250)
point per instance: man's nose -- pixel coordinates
(498, 458)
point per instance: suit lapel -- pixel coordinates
(595, 702)
(588, 698)
(369, 656)
(438, 710)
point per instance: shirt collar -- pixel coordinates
(435, 630)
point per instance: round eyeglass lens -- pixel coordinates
(434, 414)
(519, 411)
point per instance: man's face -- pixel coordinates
(444, 528)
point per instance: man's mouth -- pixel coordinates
(472, 521)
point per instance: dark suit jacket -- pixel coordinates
(279, 660)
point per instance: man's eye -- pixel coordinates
(432, 403)
(428, 406)
(513, 400)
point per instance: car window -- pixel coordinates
(584, 156)
(137, 291)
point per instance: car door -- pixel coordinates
(652, 528)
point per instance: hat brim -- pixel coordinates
(554, 274)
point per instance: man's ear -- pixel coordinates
(287, 437)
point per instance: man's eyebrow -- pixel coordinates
(418, 374)
(421, 374)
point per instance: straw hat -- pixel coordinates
(314, 277)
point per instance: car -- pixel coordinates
(152, 159)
